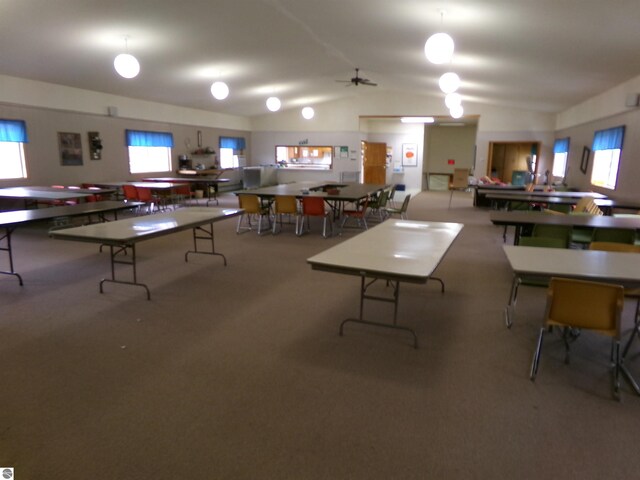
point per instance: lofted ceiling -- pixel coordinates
(543, 55)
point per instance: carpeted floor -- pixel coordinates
(238, 372)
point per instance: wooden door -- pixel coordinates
(374, 162)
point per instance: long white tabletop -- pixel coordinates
(395, 251)
(615, 267)
(121, 236)
(11, 219)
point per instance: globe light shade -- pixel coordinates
(456, 111)
(449, 82)
(219, 90)
(126, 65)
(452, 100)
(308, 113)
(439, 48)
(273, 104)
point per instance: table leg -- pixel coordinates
(7, 248)
(623, 368)
(363, 296)
(117, 252)
(202, 233)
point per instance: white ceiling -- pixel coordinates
(544, 55)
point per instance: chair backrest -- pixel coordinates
(619, 235)
(405, 204)
(544, 242)
(144, 194)
(585, 304)
(392, 192)
(313, 206)
(614, 247)
(561, 232)
(587, 205)
(182, 189)
(286, 204)
(460, 178)
(130, 192)
(381, 200)
(250, 203)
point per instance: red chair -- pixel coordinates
(146, 196)
(359, 213)
(315, 207)
(92, 198)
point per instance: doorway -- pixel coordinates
(513, 162)
(374, 162)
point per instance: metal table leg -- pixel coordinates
(203, 233)
(7, 248)
(118, 253)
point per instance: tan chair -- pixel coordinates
(459, 183)
(577, 304)
(285, 205)
(253, 209)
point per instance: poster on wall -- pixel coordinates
(70, 147)
(410, 154)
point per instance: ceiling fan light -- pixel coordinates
(273, 104)
(308, 113)
(439, 48)
(452, 100)
(126, 65)
(219, 90)
(449, 82)
(456, 111)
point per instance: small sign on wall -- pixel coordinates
(410, 154)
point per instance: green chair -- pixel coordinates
(554, 231)
(616, 235)
(530, 281)
(377, 205)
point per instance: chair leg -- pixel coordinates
(536, 356)
(616, 369)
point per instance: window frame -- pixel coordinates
(149, 148)
(607, 154)
(13, 136)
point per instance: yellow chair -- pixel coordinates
(285, 205)
(578, 304)
(253, 208)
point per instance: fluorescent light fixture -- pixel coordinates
(417, 120)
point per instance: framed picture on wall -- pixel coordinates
(409, 154)
(70, 147)
(584, 163)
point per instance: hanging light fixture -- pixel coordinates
(308, 113)
(439, 46)
(219, 90)
(125, 64)
(273, 104)
(449, 82)
(452, 100)
(456, 111)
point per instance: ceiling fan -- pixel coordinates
(357, 80)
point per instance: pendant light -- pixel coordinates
(449, 82)
(125, 64)
(273, 104)
(308, 113)
(439, 46)
(219, 90)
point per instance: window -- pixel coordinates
(13, 134)
(304, 157)
(607, 146)
(230, 150)
(560, 153)
(149, 151)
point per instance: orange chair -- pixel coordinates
(145, 195)
(359, 213)
(315, 207)
(181, 194)
(92, 198)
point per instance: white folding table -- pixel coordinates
(394, 251)
(121, 236)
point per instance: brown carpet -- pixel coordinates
(238, 372)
